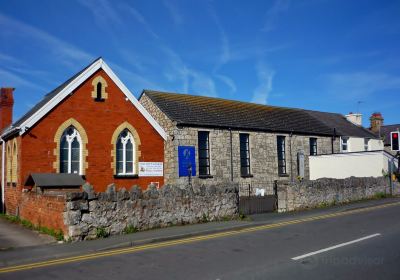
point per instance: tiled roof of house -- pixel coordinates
(385, 132)
(191, 110)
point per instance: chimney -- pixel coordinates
(376, 120)
(6, 107)
(355, 118)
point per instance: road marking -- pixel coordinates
(336, 246)
(164, 244)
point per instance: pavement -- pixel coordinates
(13, 235)
(39, 253)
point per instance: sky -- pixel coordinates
(336, 56)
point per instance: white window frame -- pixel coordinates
(70, 139)
(124, 141)
(347, 144)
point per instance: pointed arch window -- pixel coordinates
(8, 164)
(99, 91)
(125, 153)
(71, 151)
(14, 163)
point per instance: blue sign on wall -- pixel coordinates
(187, 160)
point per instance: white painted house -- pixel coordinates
(357, 164)
(359, 144)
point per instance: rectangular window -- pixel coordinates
(281, 155)
(313, 146)
(244, 154)
(204, 153)
(366, 144)
(345, 144)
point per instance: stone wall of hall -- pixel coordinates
(263, 154)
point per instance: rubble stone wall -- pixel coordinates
(310, 194)
(113, 212)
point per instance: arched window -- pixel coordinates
(14, 164)
(71, 151)
(8, 164)
(125, 153)
(99, 91)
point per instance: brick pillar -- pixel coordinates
(6, 107)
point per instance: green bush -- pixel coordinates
(130, 229)
(101, 232)
(380, 195)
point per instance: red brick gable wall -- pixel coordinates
(99, 119)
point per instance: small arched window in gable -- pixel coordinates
(99, 86)
(99, 92)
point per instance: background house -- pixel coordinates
(361, 157)
(90, 126)
(383, 131)
(245, 143)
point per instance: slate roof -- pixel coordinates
(385, 132)
(54, 180)
(191, 110)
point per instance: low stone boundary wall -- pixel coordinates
(325, 191)
(88, 215)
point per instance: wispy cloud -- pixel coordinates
(254, 51)
(225, 53)
(345, 57)
(228, 82)
(174, 12)
(141, 19)
(273, 14)
(13, 80)
(265, 77)
(140, 62)
(7, 60)
(138, 80)
(103, 12)
(15, 66)
(360, 84)
(61, 50)
(191, 79)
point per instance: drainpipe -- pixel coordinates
(291, 156)
(230, 136)
(333, 139)
(3, 149)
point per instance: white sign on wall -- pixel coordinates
(151, 169)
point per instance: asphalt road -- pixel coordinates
(260, 254)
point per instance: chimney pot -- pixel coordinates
(6, 106)
(376, 120)
(355, 118)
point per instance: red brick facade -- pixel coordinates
(99, 119)
(43, 210)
